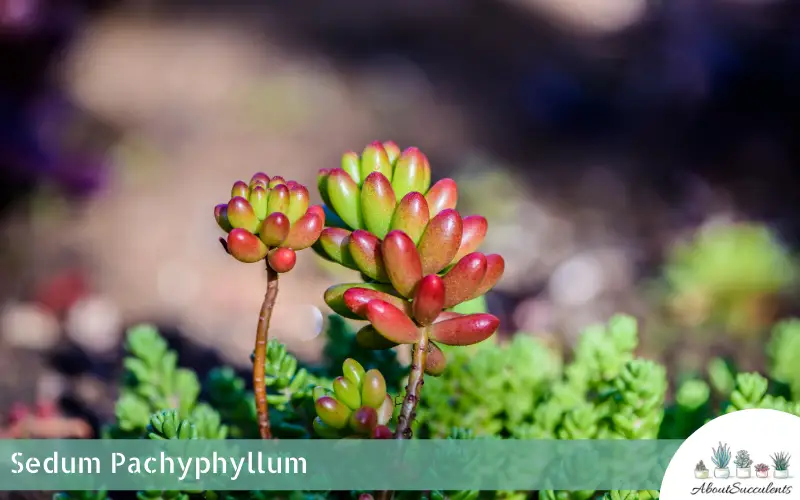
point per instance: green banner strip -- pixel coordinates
(338, 465)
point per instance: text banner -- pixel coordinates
(338, 465)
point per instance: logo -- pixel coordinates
(746, 453)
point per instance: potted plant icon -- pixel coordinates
(743, 463)
(700, 470)
(780, 462)
(721, 457)
(762, 470)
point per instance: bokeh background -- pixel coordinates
(631, 156)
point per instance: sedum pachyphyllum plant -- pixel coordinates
(417, 255)
(417, 290)
(268, 220)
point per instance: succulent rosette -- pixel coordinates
(358, 405)
(269, 218)
(416, 253)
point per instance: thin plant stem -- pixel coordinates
(260, 357)
(408, 410)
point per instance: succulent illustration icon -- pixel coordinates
(700, 470)
(780, 465)
(268, 219)
(721, 457)
(762, 470)
(417, 256)
(743, 463)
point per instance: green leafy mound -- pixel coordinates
(519, 389)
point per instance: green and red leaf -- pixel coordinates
(435, 361)
(466, 330)
(221, 216)
(429, 299)
(377, 204)
(441, 196)
(356, 299)
(440, 242)
(495, 266)
(365, 249)
(409, 173)
(306, 230)
(241, 214)
(392, 323)
(411, 216)
(274, 229)
(402, 262)
(334, 242)
(282, 260)
(334, 297)
(474, 229)
(240, 189)
(345, 197)
(375, 159)
(464, 279)
(244, 246)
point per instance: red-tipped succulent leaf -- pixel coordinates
(333, 242)
(282, 260)
(495, 266)
(274, 229)
(365, 249)
(241, 214)
(411, 216)
(392, 323)
(442, 195)
(402, 261)
(474, 232)
(464, 330)
(440, 242)
(378, 203)
(435, 362)
(334, 297)
(245, 246)
(357, 299)
(306, 230)
(429, 299)
(464, 279)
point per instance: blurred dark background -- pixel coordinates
(595, 135)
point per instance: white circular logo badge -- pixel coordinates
(747, 454)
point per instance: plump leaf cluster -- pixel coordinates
(416, 253)
(357, 406)
(269, 218)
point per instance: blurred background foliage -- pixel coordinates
(632, 157)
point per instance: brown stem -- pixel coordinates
(408, 411)
(260, 357)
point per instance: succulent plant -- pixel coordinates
(700, 467)
(269, 218)
(762, 468)
(358, 404)
(417, 255)
(721, 456)
(781, 460)
(742, 459)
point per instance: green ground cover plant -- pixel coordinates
(423, 282)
